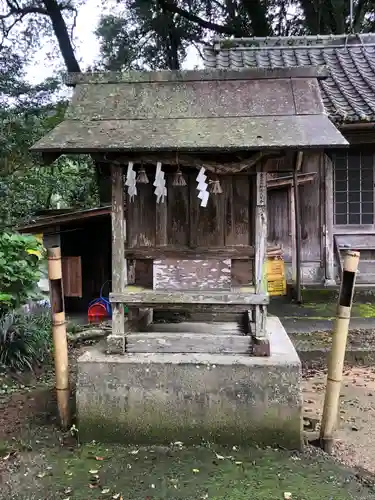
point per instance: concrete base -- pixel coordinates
(160, 398)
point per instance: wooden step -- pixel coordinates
(187, 343)
(197, 328)
(236, 299)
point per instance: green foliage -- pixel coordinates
(25, 339)
(143, 35)
(25, 185)
(19, 271)
(29, 112)
(158, 34)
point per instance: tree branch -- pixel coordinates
(23, 11)
(53, 10)
(217, 28)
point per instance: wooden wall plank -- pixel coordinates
(310, 210)
(72, 276)
(207, 223)
(142, 216)
(238, 224)
(279, 224)
(178, 223)
(161, 221)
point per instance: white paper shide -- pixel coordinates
(130, 181)
(202, 187)
(159, 183)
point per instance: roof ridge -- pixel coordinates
(296, 42)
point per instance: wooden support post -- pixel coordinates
(60, 342)
(293, 234)
(261, 342)
(329, 242)
(116, 341)
(297, 168)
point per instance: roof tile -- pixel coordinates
(349, 91)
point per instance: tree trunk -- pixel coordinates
(172, 42)
(257, 12)
(61, 32)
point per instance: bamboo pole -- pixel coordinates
(60, 342)
(337, 354)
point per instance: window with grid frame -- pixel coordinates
(353, 178)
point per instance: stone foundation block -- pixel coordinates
(161, 398)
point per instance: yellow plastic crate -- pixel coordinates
(276, 282)
(275, 268)
(277, 287)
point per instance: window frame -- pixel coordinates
(355, 227)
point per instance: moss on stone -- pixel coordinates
(365, 310)
(273, 430)
(322, 295)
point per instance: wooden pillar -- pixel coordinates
(329, 256)
(261, 342)
(298, 242)
(292, 210)
(116, 341)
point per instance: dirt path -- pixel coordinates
(355, 444)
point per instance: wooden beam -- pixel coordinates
(161, 235)
(329, 253)
(119, 267)
(172, 251)
(287, 181)
(222, 166)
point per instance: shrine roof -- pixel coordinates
(207, 110)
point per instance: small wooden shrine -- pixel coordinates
(189, 154)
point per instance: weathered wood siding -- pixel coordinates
(279, 223)
(280, 220)
(311, 200)
(192, 274)
(181, 224)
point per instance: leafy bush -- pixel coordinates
(19, 270)
(25, 339)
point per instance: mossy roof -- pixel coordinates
(193, 111)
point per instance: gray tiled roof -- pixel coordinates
(349, 91)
